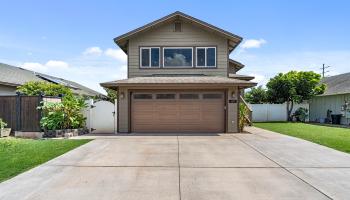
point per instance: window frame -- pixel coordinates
(150, 58)
(177, 67)
(205, 57)
(165, 93)
(142, 99)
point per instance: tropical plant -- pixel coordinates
(73, 107)
(301, 114)
(43, 87)
(63, 115)
(243, 116)
(53, 116)
(2, 124)
(293, 87)
(256, 95)
(111, 95)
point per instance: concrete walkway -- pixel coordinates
(262, 165)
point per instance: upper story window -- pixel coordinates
(178, 57)
(206, 56)
(149, 57)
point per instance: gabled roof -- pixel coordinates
(16, 76)
(237, 65)
(339, 84)
(234, 40)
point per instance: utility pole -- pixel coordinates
(324, 67)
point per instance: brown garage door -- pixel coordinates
(177, 112)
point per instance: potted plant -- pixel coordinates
(4, 132)
(301, 114)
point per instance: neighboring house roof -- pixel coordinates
(237, 65)
(164, 81)
(16, 76)
(234, 40)
(339, 84)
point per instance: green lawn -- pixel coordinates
(336, 138)
(19, 155)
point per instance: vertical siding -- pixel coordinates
(165, 36)
(232, 110)
(320, 105)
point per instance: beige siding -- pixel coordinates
(320, 105)
(123, 111)
(7, 90)
(232, 109)
(165, 36)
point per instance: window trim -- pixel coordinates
(150, 58)
(142, 93)
(205, 59)
(177, 67)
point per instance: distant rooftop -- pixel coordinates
(16, 76)
(339, 84)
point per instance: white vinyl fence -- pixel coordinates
(100, 116)
(273, 112)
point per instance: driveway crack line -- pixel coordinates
(178, 162)
(282, 167)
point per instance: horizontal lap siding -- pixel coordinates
(165, 36)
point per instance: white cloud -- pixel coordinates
(259, 78)
(56, 64)
(253, 43)
(51, 65)
(97, 51)
(37, 67)
(117, 54)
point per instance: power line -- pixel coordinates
(323, 68)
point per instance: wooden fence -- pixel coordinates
(21, 113)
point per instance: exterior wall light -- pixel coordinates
(122, 95)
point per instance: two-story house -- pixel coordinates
(180, 78)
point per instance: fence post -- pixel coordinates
(40, 99)
(18, 111)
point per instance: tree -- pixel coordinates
(111, 95)
(42, 87)
(256, 95)
(294, 87)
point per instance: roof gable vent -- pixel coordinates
(177, 27)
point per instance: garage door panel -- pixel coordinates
(177, 115)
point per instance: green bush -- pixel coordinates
(301, 114)
(53, 116)
(41, 87)
(63, 115)
(2, 124)
(243, 115)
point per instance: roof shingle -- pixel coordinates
(339, 84)
(16, 76)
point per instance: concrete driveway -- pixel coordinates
(262, 165)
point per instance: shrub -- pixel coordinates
(243, 116)
(63, 115)
(53, 116)
(2, 124)
(301, 114)
(41, 87)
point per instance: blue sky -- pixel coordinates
(74, 39)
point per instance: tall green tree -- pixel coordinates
(294, 87)
(256, 95)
